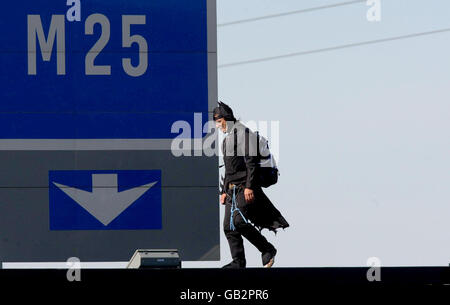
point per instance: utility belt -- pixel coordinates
(231, 185)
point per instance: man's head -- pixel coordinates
(222, 114)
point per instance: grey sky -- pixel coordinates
(364, 146)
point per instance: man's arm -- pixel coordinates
(225, 184)
(226, 178)
(223, 194)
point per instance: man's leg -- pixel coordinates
(254, 236)
(235, 241)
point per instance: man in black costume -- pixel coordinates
(247, 208)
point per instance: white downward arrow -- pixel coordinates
(105, 202)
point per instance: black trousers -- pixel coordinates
(241, 227)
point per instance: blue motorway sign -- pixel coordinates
(105, 200)
(92, 93)
(97, 69)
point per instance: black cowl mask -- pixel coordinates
(223, 111)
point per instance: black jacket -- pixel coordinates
(239, 156)
(242, 168)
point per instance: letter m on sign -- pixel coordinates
(57, 30)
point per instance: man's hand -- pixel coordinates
(222, 198)
(249, 196)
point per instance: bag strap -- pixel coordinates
(257, 144)
(247, 142)
(235, 142)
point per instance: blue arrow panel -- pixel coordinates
(143, 214)
(116, 106)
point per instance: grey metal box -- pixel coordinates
(155, 258)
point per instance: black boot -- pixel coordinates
(235, 264)
(268, 258)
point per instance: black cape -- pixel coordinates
(263, 214)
